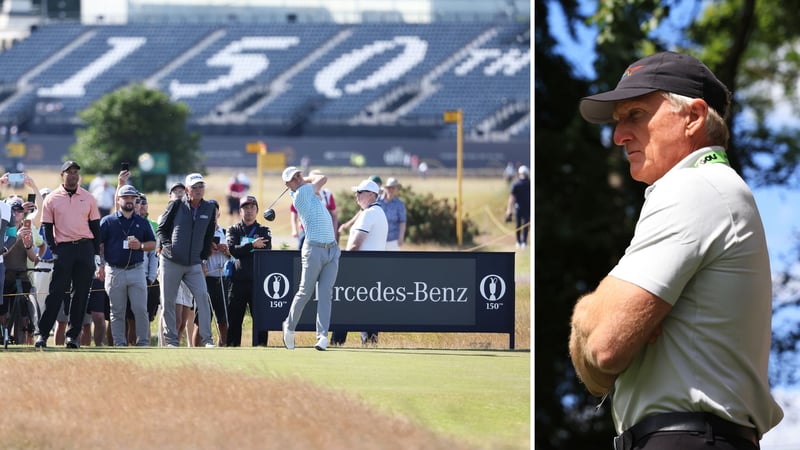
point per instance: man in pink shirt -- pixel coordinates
(71, 223)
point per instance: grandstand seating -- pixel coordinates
(284, 74)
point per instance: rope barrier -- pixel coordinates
(501, 226)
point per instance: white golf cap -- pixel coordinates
(193, 178)
(367, 185)
(392, 182)
(288, 173)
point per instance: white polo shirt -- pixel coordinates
(699, 245)
(373, 222)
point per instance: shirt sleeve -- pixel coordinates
(669, 244)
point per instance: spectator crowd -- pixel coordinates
(91, 266)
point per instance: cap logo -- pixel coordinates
(630, 70)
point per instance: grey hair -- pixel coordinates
(716, 129)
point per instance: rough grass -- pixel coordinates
(63, 402)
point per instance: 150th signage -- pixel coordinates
(395, 291)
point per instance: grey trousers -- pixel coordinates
(192, 276)
(123, 285)
(320, 266)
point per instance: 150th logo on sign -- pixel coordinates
(492, 288)
(276, 286)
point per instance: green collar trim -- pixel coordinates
(712, 157)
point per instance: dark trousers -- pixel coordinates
(523, 226)
(153, 299)
(218, 288)
(74, 264)
(240, 298)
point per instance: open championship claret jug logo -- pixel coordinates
(492, 287)
(276, 285)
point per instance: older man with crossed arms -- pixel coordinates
(678, 333)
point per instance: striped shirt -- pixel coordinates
(315, 217)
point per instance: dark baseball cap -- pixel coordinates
(16, 204)
(175, 185)
(666, 71)
(248, 200)
(127, 190)
(68, 164)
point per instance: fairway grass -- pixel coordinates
(436, 398)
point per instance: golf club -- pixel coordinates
(269, 214)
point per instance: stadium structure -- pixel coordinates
(317, 79)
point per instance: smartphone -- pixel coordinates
(125, 167)
(26, 223)
(32, 198)
(16, 178)
(216, 239)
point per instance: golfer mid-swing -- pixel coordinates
(320, 255)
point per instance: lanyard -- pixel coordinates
(252, 231)
(712, 157)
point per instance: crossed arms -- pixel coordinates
(610, 326)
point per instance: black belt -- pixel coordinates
(317, 244)
(79, 241)
(705, 423)
(50, 261)
(130, 266)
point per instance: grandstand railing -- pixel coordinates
(248, 11)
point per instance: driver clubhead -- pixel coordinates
(269, 215)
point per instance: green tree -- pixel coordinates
(134, 120)
(584, 213)
(428, 219)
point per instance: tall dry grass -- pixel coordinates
(65, 402)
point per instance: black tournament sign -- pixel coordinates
(395, 291)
